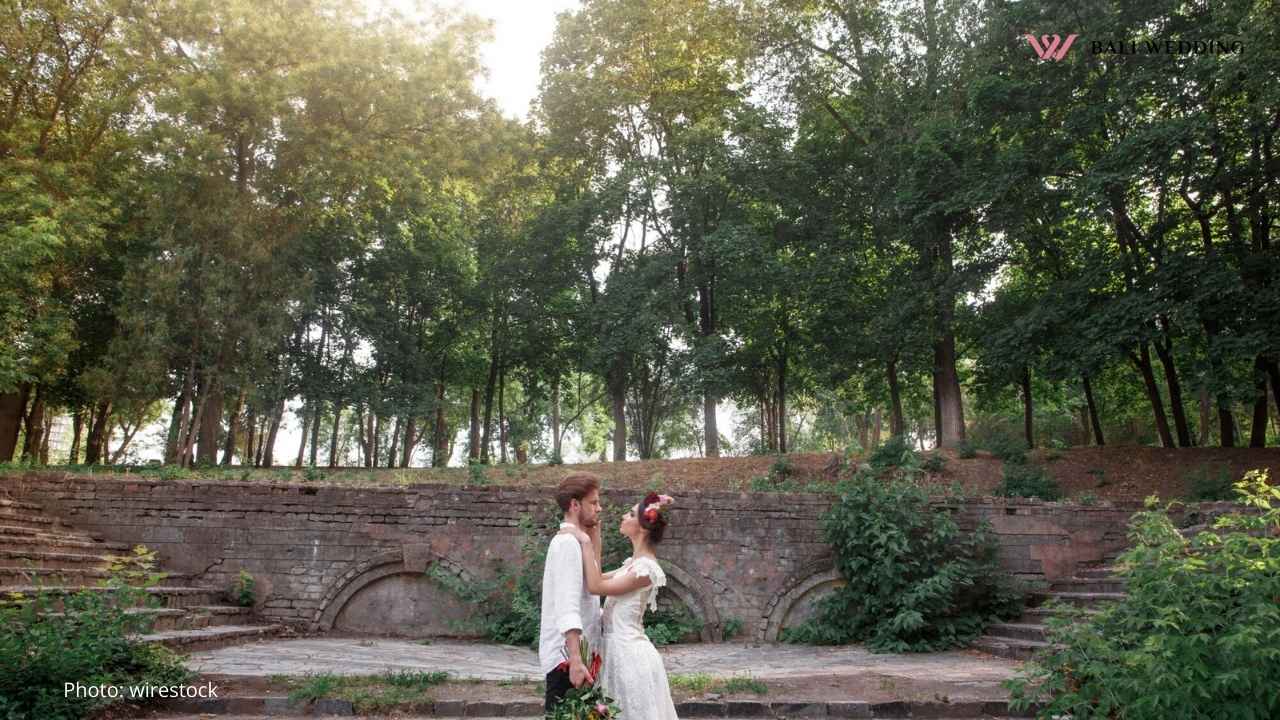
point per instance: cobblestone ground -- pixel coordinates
(504, 662)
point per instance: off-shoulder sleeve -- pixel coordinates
(647, 567)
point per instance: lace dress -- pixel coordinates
(632, 672)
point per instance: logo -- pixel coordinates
(1047, 49)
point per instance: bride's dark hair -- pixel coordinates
(655, 522)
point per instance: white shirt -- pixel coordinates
(566, 603)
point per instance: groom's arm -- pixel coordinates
(565, 561)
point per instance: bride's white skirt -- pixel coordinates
(633, 674)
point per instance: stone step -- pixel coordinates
(1101, 571)
(1038, 615)
(19, 504)
(11, 575)
(34, 542)
(40, 536)
(43, 559)
(27, 519)
(188, 618)
(1090, 585)
(208, 638)
(1012, 648)
(1017, 631)
(1084, 599)
(169, 597)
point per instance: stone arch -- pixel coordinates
(695, 596)
(812, 579)
(365, 573)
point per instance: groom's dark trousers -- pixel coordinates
(558, 684)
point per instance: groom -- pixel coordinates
(570, 614)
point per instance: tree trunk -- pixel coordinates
(1206, 416)
(950, 404)
(1093, 411)
(1164, 351)
(782, 403)
(118, 455)
(333, 441)
(1142, 362)
(44, 438)
(439, 433)
(315, 431)
(395, 441)
(77, 428)
(897, 425)
(306, 415)
(876, 423)
(1258, 433)
(618, 394)
(97, 428)
(410, 441)
(864, 430)
(13, 408)
(490, 389)
(1027, 407)
(251, 438)
(210, 423)
(233, 429)
(268, 449)
(502, 415)
(33, 427)
(1273, 374)
(1226, 424)
(375, 437)
(473, 437)
(555, 420)
(710, 428)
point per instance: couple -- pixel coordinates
(632, 672)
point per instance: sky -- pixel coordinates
(521, 29)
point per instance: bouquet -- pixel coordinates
(589, 701)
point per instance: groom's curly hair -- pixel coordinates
(575, 487)
(658, 525)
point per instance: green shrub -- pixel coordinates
(742, 684)
(665, 627)
(477, 473)
(242, 589)
(781, 469)
(1012, 450)
(896, 452)
(731, 628)
(1197, 636)
(914, 581)
(966, 450)
(1209, 483)
(88, 641)
(1028, 481)
(934, 463)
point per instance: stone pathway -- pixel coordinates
(349, 656)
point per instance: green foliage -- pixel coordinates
(1087, 499)
(477, 474)
(87, 640)
(1209, 483)
(914, 581)
(1028, 481)
(665, 627)
(242, 589)
(896, 452)
(966, 450)
(731, 627)
(934, 463)
(1012, 450)
(745, 685)
(1198, 634)
(693, 682)
(781, 469)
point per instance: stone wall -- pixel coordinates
(335, 558)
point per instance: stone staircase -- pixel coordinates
(38, 552)
(1092, 586)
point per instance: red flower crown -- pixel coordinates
(653, 504)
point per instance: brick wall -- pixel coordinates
(326, 557)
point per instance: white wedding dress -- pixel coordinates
(632, 671)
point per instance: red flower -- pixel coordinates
(595, 666)
(650, 516)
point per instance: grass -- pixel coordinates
(368, 693)
(703, 682)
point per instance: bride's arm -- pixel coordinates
(611, 584)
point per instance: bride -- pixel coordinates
(632, 672)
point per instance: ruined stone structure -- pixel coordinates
(326, 557)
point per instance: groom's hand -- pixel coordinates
(579, 675)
